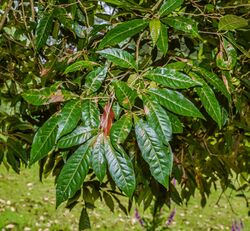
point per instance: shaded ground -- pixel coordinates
(27, 204)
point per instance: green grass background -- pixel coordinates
(27, 204)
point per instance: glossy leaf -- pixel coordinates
(78, 66)
(157, 119)
(120, 168)
(95, 78)
(107, 119)
(184, 24)
(69, 117)
(98, 157)
(232, 22)
(209, 101)
(123, 31)
(121, 129)
(158, 156)
(73, 174)
(169, 6)
(162, 42)
(78, 136)
(155, 29)
(44, 140)
(90, 114)
(119, 57)
(215, 81)
(175, 102)
(176, 124)
(43, 30)
(124, 94)
(171, 78)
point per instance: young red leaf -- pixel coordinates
(107, 119)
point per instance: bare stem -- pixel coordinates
(5, 14)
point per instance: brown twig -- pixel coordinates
(5, 14)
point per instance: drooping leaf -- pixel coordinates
(84, 221)
(17, 149)
(123, 31)
(169, 6)
(73, 173)
(125, 95)
(215, 81)
(209, 101)
(78, 136)
(177, 126)
(107, 119)
(162, 42)
(232, 22)
(120, 168)
(78, 66)
(90, 114)
(227, 56)
(158, 156)
(43, 30)
(184, 24)
(175, 102)
(121, 129)
(69, 117)
(119, 57)
(44, 140)
(95, 78)
(157, 119)
(171, 78)
(155, 29)
(98, 157)
(108, 201)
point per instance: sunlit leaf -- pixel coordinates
(169, 6)
(232, 22)
(155, 29)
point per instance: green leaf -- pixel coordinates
(69, 117)
(44, 140)
(90, 114)
(227, 56)
(17, 148)
(231, 22)
(158, 156)
(123, 31)
(121, 129)
(162, 42)
(175, 102)
(95, 78)
(171, 78)
(209, 100)
(124, 94)
(155, 28)
(120, 168)
(84, 222)
(169, 6)
(184, 24)
(214, 80)
(98, 157)
(78, 136)
(78, 66)
(108, 201)
(157, 119)
(43, 30)
(119, 57)
(73, 174)
(177, 126)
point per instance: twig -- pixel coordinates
(5, 14)
(32, 10)
(233, 7)
(138, 48)
(157, 5)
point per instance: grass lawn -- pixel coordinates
(27, 204)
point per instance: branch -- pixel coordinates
(5, 14)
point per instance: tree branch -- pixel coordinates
(5, 14)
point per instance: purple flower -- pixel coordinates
(171, 217)
(237, 226)
(138, 217)
(174, 181)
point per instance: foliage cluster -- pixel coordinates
(121, 97)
